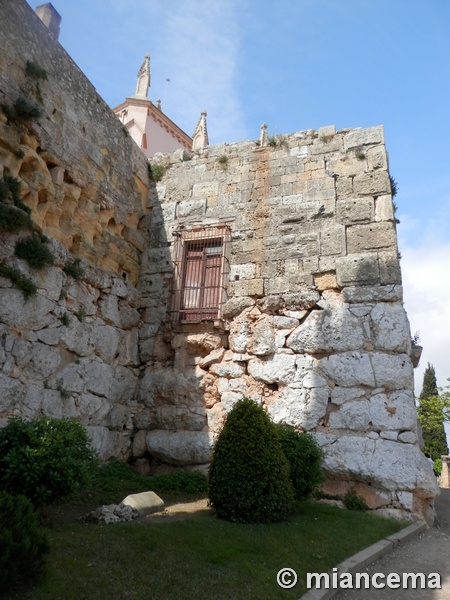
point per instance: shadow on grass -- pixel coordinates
(201, 558)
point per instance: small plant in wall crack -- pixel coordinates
(74, 269)
(278, 141)
(156, 171)
(34, 251)
(360, 154)
(223, 161)
(64, 318)
(21, 281)
(62, 390)
(80, 314)
(394, 186)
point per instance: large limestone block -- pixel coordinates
(392, 371)
(30, 407)
(35, 313)
(335, 330)
(42, 361)
(394, 412)
(389, 267)
(227, 369)
(360, 137)
(108, 444)
(391, 327)
(355, 210)
(280, 368)
(348, 369)
(107, 340)
(332, 240)
(341, 395)
(384, 208)
(129, 348)
(11, 392)
(79, 337)
(390, 465)
(93, 409)
(373, 293)
(109, 306)
(262, 341)
(192, 208)
(235, 306)
(166, 386)
(358, 269)
(375, 183)
(373, 236)
(180, 447)
(383, 413)
(99, 378)
(352, 416)
(304, 409)
(145, 503)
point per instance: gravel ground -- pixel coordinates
(429, 552)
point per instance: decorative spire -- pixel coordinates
(263, 137)
(200, 135)
(143, 78)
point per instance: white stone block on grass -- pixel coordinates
(145, 503)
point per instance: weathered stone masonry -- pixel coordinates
(312, 324)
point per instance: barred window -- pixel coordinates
(201, 270)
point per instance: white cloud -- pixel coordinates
(199, 48)
(426, 283)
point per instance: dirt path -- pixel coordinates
(428, 552)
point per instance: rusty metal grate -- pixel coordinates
(201, 273)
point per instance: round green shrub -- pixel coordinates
(304, 457)
(45, 459)
(23, 543)
(249, 478)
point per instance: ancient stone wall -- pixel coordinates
(81, 173)
(311, 322)
(72, 348)
(313, 328)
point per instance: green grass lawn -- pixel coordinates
(197, 557)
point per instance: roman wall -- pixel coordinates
(310, 323)
(313, 325)
(70, 350)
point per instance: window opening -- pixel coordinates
(201, 273)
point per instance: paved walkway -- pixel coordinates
(429, 552)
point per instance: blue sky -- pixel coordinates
(302, 64)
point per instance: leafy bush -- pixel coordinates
(179, 482)
(14, 219)
(45, 459)
(14, 214)
(26, 110)
(437, 466)
(21, 281)
(156, 171)
(304, 457)
(34, 251)
(32, 69)
(74, 269)
(249, 478)
(354, 502)
(23, 543)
